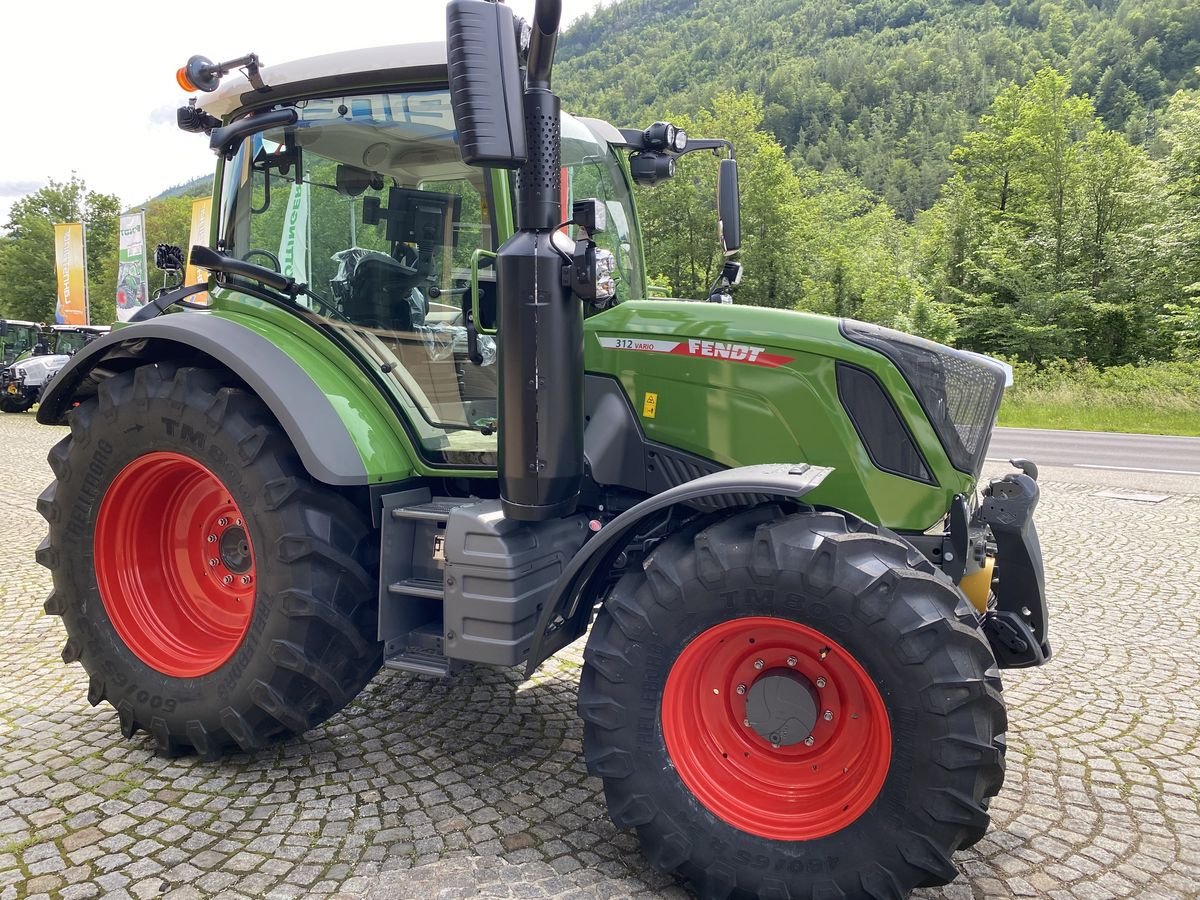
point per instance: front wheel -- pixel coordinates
(216, 596)
(793, 706)
(15, 403)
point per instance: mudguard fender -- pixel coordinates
(564, 602)
(321, 439)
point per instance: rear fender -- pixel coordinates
(566, 616)
(322, 433)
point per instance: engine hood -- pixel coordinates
(38, 367)
(743, 385)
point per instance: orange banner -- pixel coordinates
(70, 259)
(201, 209)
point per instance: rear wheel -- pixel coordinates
(793, 706)
(216, 596)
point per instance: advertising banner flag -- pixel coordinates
(70, 260)
(293, 245)
(132, 286)
(201, 209)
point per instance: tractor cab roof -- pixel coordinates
(330, 73)
(88, 329)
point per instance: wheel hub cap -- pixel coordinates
(174, 564)
(775, 728)
(782, 707)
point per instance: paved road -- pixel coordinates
(1118, 452)
(474, 788)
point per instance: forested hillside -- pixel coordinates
(1015, 177)
(884, 89)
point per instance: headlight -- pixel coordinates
(960, 392)
(649, 168)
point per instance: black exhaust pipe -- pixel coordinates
(540, 320)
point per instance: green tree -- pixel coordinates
(1052, 126)
(168, 221)
(28, 288)
(1177, 239)
(679, 217)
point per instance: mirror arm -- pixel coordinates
(715, 144)
(266, 194)
(225, 140)
(163, 299)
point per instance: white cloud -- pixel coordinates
(19, 188)
(90, 87)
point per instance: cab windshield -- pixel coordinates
(69, 342)
(367, 201)
(16, 339)
(591, 171)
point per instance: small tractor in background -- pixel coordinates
(429, 419)
(22, 381)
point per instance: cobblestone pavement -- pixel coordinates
(475, 788)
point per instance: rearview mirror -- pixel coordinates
(485, 83)
(729, 207)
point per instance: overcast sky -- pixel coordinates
(90, 87)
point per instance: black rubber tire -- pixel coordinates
(907, 625)
(9, 404)
(311, 644)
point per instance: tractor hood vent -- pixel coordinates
(960, 392)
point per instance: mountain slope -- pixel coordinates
(882, 88)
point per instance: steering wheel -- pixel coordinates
(274, 260)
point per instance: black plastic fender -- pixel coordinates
(302, 408)
(773, 479)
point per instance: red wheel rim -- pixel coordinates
(796, 792)
(174, 564)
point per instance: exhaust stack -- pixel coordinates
(540, 321)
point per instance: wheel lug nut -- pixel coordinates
(828, 715)
(228, 579)
(237, 521)
(821, 682)
(809, 741)
(213, 562)
(758, 664)
(741, 689)
(212, 538)
(746, 722)
(245, 579)
(222, 521)
(791, 660)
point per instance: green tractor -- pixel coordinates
(428, 418)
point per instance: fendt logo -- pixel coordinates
(740, 353)
(718, 350)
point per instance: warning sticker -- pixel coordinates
(650, 405)
(739, 353)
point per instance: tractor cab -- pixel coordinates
(16, 338)
(364, 197)
(67, 340)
